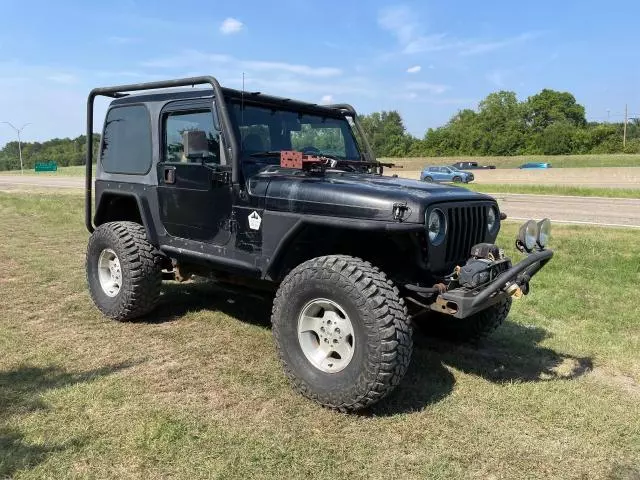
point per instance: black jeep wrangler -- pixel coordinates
(287, 197)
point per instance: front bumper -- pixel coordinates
(463, 302)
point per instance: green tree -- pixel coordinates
(551, 106)
(386, 134)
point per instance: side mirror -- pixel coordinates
(195, 143)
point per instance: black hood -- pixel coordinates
(352, 195)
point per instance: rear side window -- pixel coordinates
(126, 145)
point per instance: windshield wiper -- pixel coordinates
(266, 153)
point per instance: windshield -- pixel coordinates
(263, 132)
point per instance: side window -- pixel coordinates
(126, 143)
(433, 169)
(190, 137)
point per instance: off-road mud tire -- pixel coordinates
(383, 334)
(141, 266)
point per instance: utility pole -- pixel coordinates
(18, 131)
(624, 134)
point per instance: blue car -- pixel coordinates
(445, 174)
(535, 165)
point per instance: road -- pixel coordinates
(31, 182)
(580, 210)
(609, 177)
(566, 209)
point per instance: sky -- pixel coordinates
(427, 59)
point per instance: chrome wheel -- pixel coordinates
(109, 272)
(326, 335)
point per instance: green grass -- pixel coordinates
(554, 190)
(558, 161)
(195, 390)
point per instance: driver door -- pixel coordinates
(194, 188)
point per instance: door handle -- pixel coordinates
(169, 175)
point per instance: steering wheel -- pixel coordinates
(310, 150)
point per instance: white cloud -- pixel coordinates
(64, 78)
(199, 60)
(292, 68)
(414, 69)
(433, 88)
(475, 48)
(327, 99)
(405, 25)
(230, 26)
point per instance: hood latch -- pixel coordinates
(399, 210)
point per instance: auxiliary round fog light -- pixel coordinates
(528, 235)
(544, 232)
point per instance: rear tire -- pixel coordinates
(124, 271)
(360, 297)
(428, 179)
(470, 329)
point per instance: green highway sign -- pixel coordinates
(46, 166)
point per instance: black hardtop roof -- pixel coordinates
(230, 93)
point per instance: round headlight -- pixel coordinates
(528, 235)
(492, 219)
(544, 231)
(436, 226)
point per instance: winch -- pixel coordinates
(486, 263)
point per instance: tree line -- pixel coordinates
(63, 151)
(548, 123)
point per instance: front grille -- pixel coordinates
(466, 227)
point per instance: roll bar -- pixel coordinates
(118, 92)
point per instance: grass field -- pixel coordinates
(195, 390)
(558, 161)
(554, 190)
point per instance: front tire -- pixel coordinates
(342, 332)
(457, 179)
(124, 271)
(471, 329)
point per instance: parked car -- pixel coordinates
(472, 166)
(535, 165)
(445, 174)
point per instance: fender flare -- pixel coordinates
(143, 210)
(319, 220)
